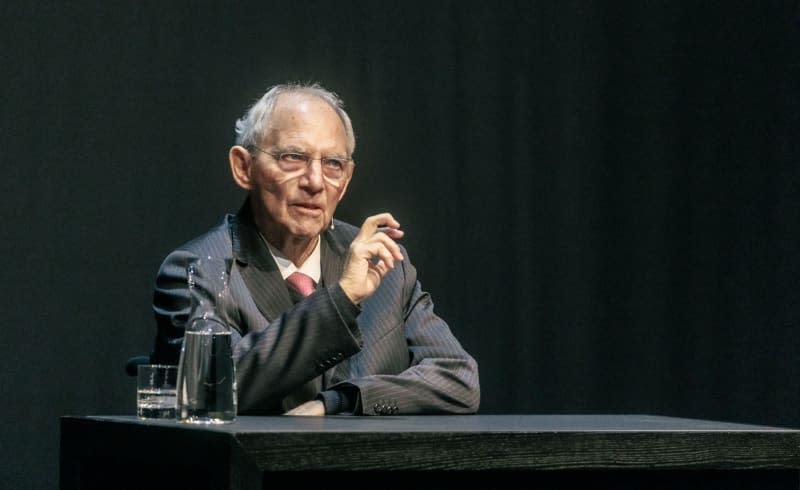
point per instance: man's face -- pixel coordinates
(298, 205)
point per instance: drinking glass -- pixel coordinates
(156, 394)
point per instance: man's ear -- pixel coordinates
(241, 161)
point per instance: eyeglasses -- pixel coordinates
(333, 167)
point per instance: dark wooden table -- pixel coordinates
(477, 451)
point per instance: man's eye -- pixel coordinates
(293, 157)
(334, 163)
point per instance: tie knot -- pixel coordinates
(301, 282)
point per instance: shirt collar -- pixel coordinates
(311, 267)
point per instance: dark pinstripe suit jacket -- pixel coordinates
(394, 350)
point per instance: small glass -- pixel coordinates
(156, 392)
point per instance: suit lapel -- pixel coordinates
(258, 269)
(332, 258)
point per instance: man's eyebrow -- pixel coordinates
(291, 148)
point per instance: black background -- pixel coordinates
(602, 197)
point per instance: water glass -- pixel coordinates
(156, 393)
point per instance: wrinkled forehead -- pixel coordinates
(305, 118)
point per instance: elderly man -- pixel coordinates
(357, 334)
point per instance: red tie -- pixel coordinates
(301, 282)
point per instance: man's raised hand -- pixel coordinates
(372, 255)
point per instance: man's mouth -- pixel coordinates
(307, 206)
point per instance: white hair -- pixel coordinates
(250, 127)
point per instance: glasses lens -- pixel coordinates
(290, 162)
(333, 168)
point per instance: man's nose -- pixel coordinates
(312, 178)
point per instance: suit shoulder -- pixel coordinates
(214, 241)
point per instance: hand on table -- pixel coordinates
(310, 408)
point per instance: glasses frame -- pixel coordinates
(279, 157)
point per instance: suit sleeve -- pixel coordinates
(441, 376)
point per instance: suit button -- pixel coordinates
(381, 407)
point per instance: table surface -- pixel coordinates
(478, 448)
(462, 424)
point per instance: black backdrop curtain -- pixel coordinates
(602, 197)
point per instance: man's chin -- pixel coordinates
(307, 228)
